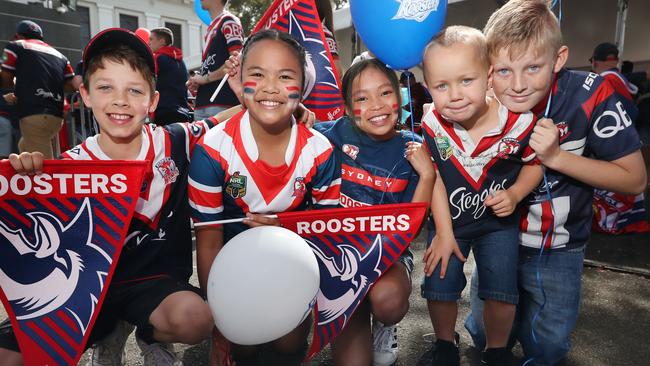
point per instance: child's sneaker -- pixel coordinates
(445, 353)
(110, 351)
(496, 357)
(158, 354)
(384, 344)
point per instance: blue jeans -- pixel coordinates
(560, 273)
(203, 113)
(6, 137)
(496, 260)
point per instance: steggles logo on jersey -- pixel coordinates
(167, 168)
(563, 127)
(299, 187)
(236, 186)
(350, 150)
(507, 146)
(461, 200)
(444, 147)
(417, 10)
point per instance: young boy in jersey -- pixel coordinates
(479, 148)
(379, 165)
(260, 162)
(150, 286)
(586, 140)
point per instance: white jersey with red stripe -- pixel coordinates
(158, 242)
(594, 121)
(472, 171)
(227, 178)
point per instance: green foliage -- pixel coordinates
(251, 11)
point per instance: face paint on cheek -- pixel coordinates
(357, 114)
(294, 92)
(250, 88)
(395, 107)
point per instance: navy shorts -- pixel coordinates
(496, 257)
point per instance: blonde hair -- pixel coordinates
(520, 24)
(460, 34)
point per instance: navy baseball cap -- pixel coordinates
(115, 36)
(605, 52)
(29, 29)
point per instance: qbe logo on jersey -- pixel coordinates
(610, 122)
(417, 10)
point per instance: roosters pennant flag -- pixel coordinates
(61, 233)
(300, 19)
(354, 247)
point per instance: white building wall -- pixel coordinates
(152, 14)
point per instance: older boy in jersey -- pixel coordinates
(150, 286)
(225, 36)
(586, 140)
(42, 75)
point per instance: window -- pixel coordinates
(84, 23)
(129, 22)
(178, 35)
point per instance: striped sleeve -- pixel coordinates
(326, 184)
(233, 33)
(206, 178)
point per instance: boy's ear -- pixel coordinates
(562, 57)
(85, 96)
(155, 97)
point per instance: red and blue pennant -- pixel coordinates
(300, 19)
(61, 233)
(354, 247)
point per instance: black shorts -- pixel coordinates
(132, 302)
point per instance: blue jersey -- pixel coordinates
(472, 171)
(227, 180)
(225, 35)
(41, 72)
(159, 239)
(593, 121)
(373, 172)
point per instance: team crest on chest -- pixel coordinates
(444, 147)
(299, 187)
(508, 146)
(563, 127)
(351, 151)
(236, 186)
(168, 170)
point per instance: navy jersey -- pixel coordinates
(372, 172)
(472, 171)
(227, 180)
(225, 35)
(172, 76)
(40, 71)
(594, 122)
(158, 242)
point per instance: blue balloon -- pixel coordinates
(202, 14)
(397, 31)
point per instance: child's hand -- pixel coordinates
(305, 116)
(27, 163)
(255, 220)
(440, 250)
(545, 140)
(502, 203)
(10, 98)
(232, 67)
(419, 157)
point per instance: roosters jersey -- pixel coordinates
(40, 71)
(227, 180)
(159, 241)
(472, 171)
(372, 172)
(594, 122)
(225, 35)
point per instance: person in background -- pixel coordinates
(324, 8)
(172, 76)
(42, 75)
(419, 97)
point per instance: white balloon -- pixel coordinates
(262, 285)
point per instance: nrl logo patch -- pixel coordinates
(444, 147)
(417, 10)
(350, 150)
(168, 170)
(236, 186)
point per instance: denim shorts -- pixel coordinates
(496, 257)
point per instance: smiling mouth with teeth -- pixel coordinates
(378, 118)
(120, 117)
(269, 103)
